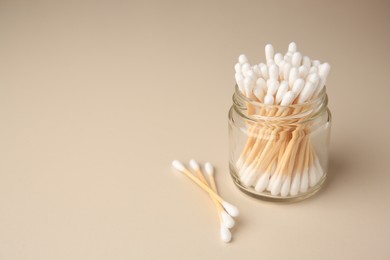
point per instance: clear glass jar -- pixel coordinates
(279, 153)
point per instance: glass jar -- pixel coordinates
(279, 153)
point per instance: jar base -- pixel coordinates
(267, 196)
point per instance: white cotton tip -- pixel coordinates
(262, 182)
(295, 184)
(209, 168)
(286, 71)
(298, 86)
(303, 71)
(318, 165)
(257, 71)
(316, 63)
(194, 165)
(227, 220)
(304, 181)
(313, 78)
(272, 179)
(319, 172)
(269, 100)
(306, 62)
(251, 74)
(273, 72)
(288, 98)
(264, 70)
(276, 185)
(272, 87)
(285, 187)
(245, 68)
(292, 77)
(292, 47)
(244, 172)
(250, 177)
(270, 62)
(230, 209)
(313, 69)
(323, 72)
(242, 59)
(248, 85)
(312, 176)
(237, 67)
(261, 83)
(283, 88)
(226, 235)
(240, 82)
(287, 58)
(178, 165)
(269, 52)
(259, 92)
(306, 92)
(278, 58)
(296, 59)
(240, 163)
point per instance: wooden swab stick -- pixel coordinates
(230, 209)
(225, 219)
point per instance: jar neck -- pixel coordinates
(256, 111)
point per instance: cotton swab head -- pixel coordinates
(323, 72)
(260, 89)
(278, 58)
(298, 86)
(240, 82)
(209, 169)
(296, 59)
(313, 69)
(286, 70)
(227, 219)
(248, 85)
(269, 100)
(313, 78)
(194, 165)
(306, 62)
(273, 72)
(303, 71)
(226, 235)
(269, 52)
(264, 70)
(245, 67)
(306, 92)
(178, 165)
(273, 86)
(257, 70)
(316, 63)
(230, 209)
(292, 47)
(283, 88)
(288, 98)
(293, 76)
(237, 67)
(242, 59)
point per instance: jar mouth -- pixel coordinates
(311, 103)
(303, 112)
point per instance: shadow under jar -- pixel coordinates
(279, 153)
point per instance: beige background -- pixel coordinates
(97, 98)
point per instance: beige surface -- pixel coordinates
(97, 98)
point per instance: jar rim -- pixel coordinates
(303, 112)
(259, 104)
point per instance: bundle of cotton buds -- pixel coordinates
(277, 159)
(226, 211)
